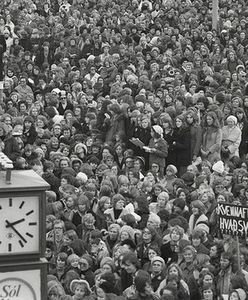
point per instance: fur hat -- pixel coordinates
(158, 258)
(75, 282)
(80, 145)
(232, 118)
(172, 168)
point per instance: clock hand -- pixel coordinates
(15, 223)
(15, 230)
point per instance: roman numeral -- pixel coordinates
(29, 213)
(29, 234)
(10, 202)
(9, 247)
(21, 205)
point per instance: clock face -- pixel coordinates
(19, 225)
(20, 285)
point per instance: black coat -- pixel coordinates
(2, 50)
(181, 146)
(167, 253)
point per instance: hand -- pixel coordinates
(14, 223)
(15, 230)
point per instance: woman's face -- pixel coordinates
(208, 294)
(175, 236)
(79, 292)
(230, 123)
(151, 254)
(60, 263)
(124, 236)
(145, 123)
(178, 123)
(105, 153)
(209, 120)
(120, 204)
(173, 271)
(107, 204)
(113, 233)
(161, 200)
(195, 210)
(147, 236)
(207, 279)
(53, 295)
(106, 268)
(204, 198)
(188, 256)
(189, 119)
(213, 251)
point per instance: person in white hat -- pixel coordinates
(231, 138)
(157, 148)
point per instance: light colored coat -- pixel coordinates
(232, 137)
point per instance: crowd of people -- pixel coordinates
(135, 112)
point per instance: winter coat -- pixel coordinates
(116, 125)
(211, 141)
(181, 146)
(160, 154)
(196, 138)
(232, 138)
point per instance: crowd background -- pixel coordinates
(135, 113)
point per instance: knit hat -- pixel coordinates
(129, 230)
(241, 293)
(158, 258)
(218, 167)
(232, 118)
(202, 226)
(188, 178)
(108, 261)
(158, 129)
(172, 168)
(75, 282)
(54, 284)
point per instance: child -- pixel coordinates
(80, 289)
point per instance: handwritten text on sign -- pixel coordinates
(233, 219)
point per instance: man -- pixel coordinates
(64, 104)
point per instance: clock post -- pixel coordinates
(23, 268)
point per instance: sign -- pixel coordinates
(233, 219)
(20, 285)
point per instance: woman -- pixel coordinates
(231, 139)
(187, 265)
(243, 126)
(113, 237)
(114, 213)
(208, 293)
(103, 204)
(143, 133)
(195, 134)
(238, 294)
(149, 237)
(157, 148)
(212, 138)
(198, 215)
(166, 123)
(119, 155)
(174, 269)
(181, 145)
(114, 123)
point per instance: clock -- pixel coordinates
(19, 225)
(22, 217)
(23, 281)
